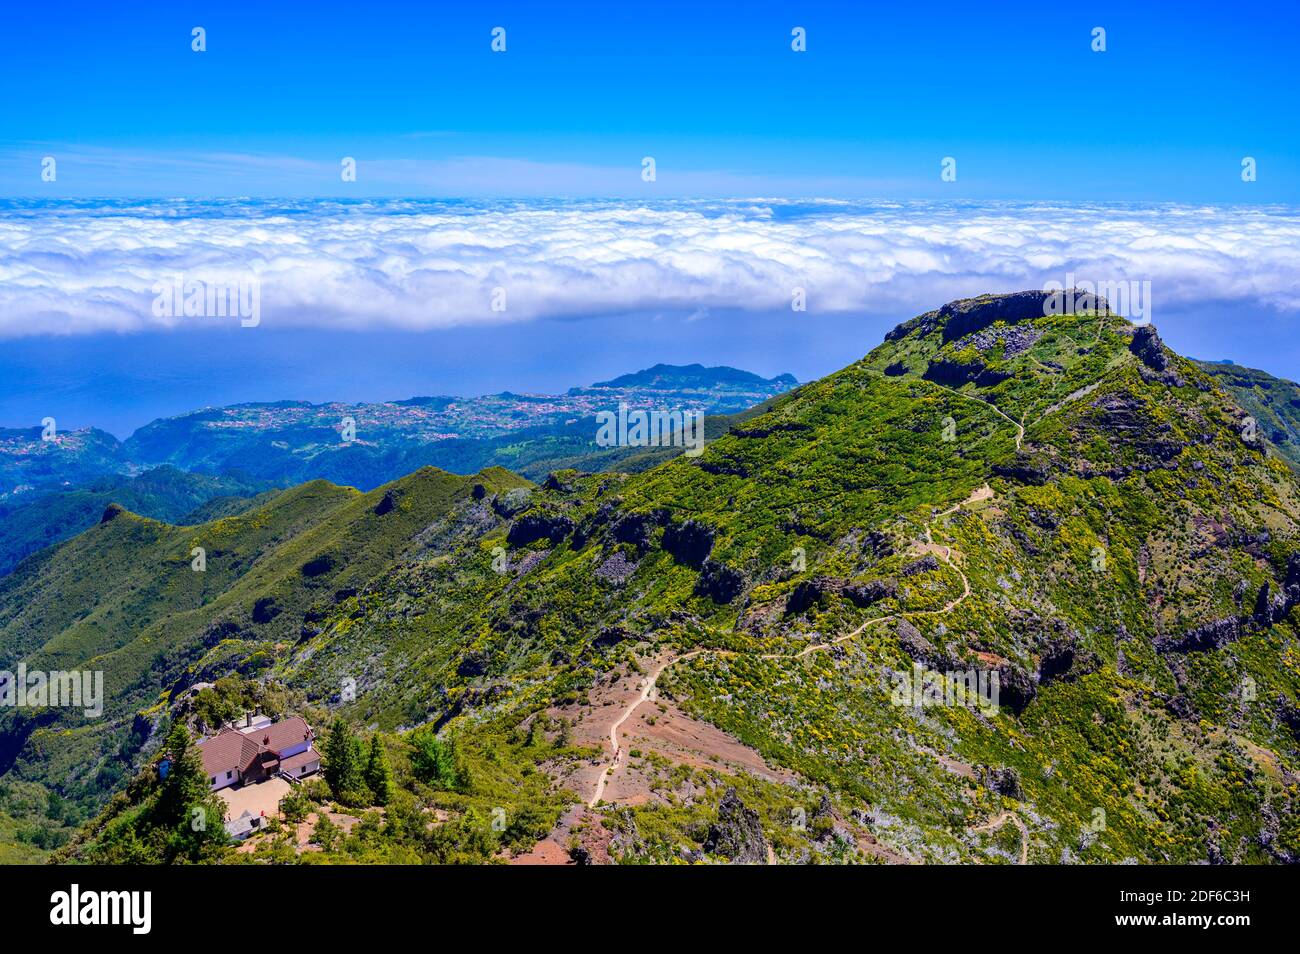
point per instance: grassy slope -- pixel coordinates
(1160, 482)
(1132, 753)
(37, 520)
(1273, 402)
(123, 598)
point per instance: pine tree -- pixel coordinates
(342, 773)
(378, 777)
(185, 784)
(186, 809)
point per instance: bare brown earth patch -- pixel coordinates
(655, 731)
(580, 837)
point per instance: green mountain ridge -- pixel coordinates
(52, 489)
(1273, 402)
(1057, 500)
(35, 520)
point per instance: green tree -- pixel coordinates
(433, 760)
(295, 806)
(185, 809)
(345, 764)
(185, 783)
(326, 833)
(378, 776)
(340, 758)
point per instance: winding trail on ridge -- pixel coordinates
(648, 685)
(1018, 425)
(997, 821)
(984, 492)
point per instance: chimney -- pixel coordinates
(248, 719)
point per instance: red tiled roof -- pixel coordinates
(231, 749)
(227, 751)
(283, 735)
(295, 762)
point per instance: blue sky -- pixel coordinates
(1122, 165)
(714, 93)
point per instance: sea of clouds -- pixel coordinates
(85, 266)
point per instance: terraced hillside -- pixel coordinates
(707, 660)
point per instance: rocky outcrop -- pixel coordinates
(826, 827)
(472, 665)
(1212, 635)
(633, 528)
(737, 835)
(111, 513)
(1262, 615)
(953, 374)
(1272, 608)
(610, 636)
(533, 527)
(1289, 716)
(812, 592)
(510, 503)
(973, 314)
(1023, 471)
(915, 644)
(719, 582)
(386, 504)
(616, 569)
(1014, 341)
(1003, 780)
(557, 483)
(689, 543)
(1268, 609)
(969, 315)
(924, 565)
(1016, 688)
(1149, 349)
(863, 595)
(1063, 659)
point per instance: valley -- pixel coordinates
(692, 661)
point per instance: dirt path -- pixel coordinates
(1019, 426)
(646, 689)
(998, 821)
(648, 686)
(1072, 396)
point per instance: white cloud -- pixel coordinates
(91, 266)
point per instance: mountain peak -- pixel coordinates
(967, 315)
(676, 376)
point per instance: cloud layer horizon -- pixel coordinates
(87, 266)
